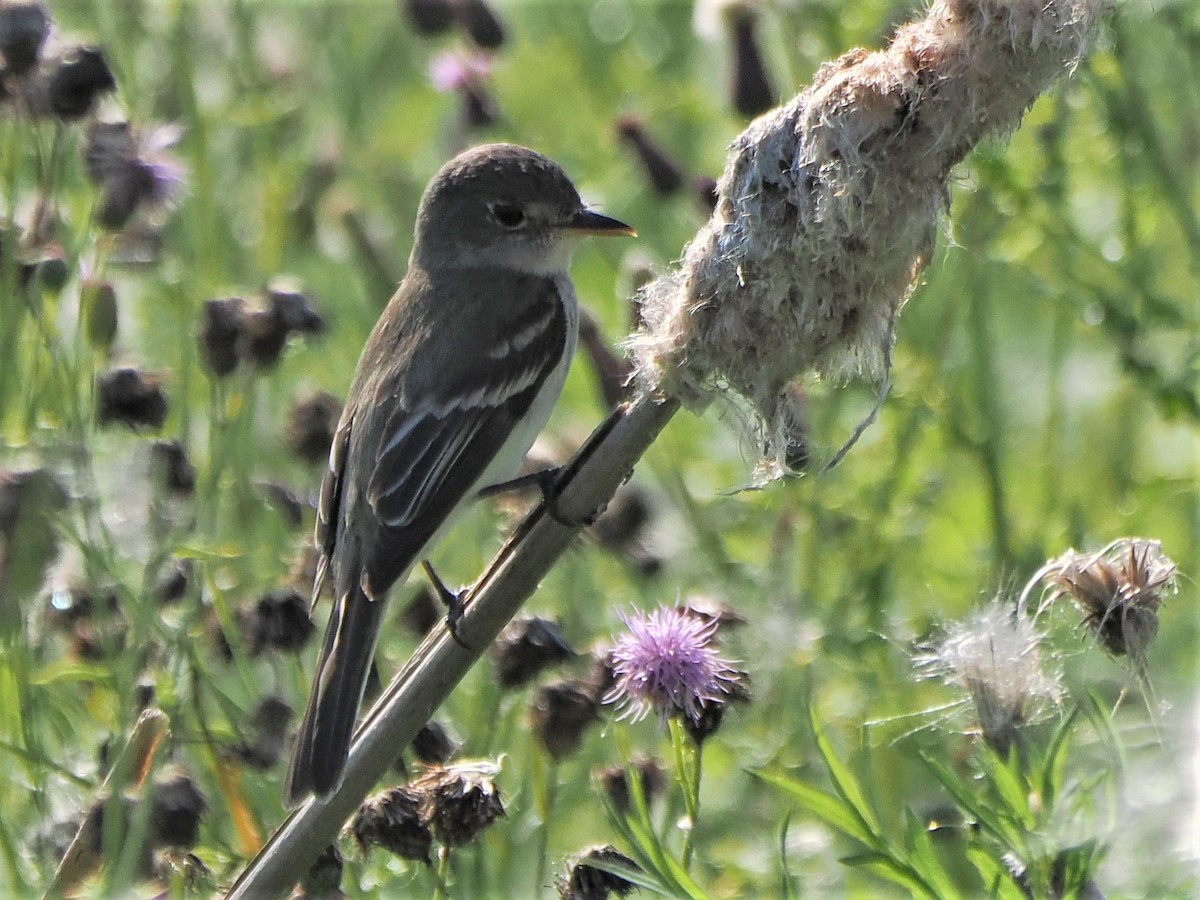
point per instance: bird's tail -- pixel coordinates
(319, 757)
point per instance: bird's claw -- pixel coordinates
(545, 480)
(452, 600)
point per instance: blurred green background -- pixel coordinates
(1046, 397)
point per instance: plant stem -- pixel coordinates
(587, 483)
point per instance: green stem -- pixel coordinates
(546, 785)
(440, 890)
(688, 776)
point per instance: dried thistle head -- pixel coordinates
(392, 820)
(584, 881)
(1118, 590)
(995, 658)
(459, 801)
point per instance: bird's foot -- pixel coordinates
(452, 600)
(545, 480)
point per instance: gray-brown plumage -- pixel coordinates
(457, 378)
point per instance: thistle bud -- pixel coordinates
(615, 782)
(280, 622)
(324, 877)
(480, 21)
(705, 189)
(130, 397)
(79, 79)
(101, 314)
(663, 173)
(173, 470)
(525, 648)
(23, 30)
(561, 713)
(311, 425)
(178, 807)
(751, 87)
(429, 17)
(587, 882)
(269, 723)
(433, 744)
(172, 585)
(613, 373)
(220, 335)
(422, 612)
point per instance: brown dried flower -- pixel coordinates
(459, 801)
(525, 648)
(561, 713)
(587, 882)
(1119, 591)
(392, 820)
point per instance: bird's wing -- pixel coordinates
(437, 441)
(331, 499)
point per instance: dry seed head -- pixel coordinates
(525, 648)
(587, 882)
(393, 820)
(281, 622)
(560, 713)
(459, 801)
(131, 397)
(178, 808)
(829, 205)
(24, 28)
(995, 658)
(1119, 591)
(434, 745)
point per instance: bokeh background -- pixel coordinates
(1046, 396)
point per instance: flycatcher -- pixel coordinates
(456, 380)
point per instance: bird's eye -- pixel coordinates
(507, 214)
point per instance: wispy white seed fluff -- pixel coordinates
(995, 657)
(828, 206)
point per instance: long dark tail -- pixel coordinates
(323, 743)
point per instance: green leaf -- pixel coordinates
(884, 866)
(923, 858)
(845, 782)
(967, 797)
(828, 808)
(1056, 759)
(787, 889)
(66, 671)
(995, 876)
(654, 858)
(1012, 788)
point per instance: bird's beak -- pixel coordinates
(588, 221)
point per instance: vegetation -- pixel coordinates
(182, 302)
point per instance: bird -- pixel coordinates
(456, 380)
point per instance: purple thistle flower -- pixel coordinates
(666, 662)
(454, 70)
